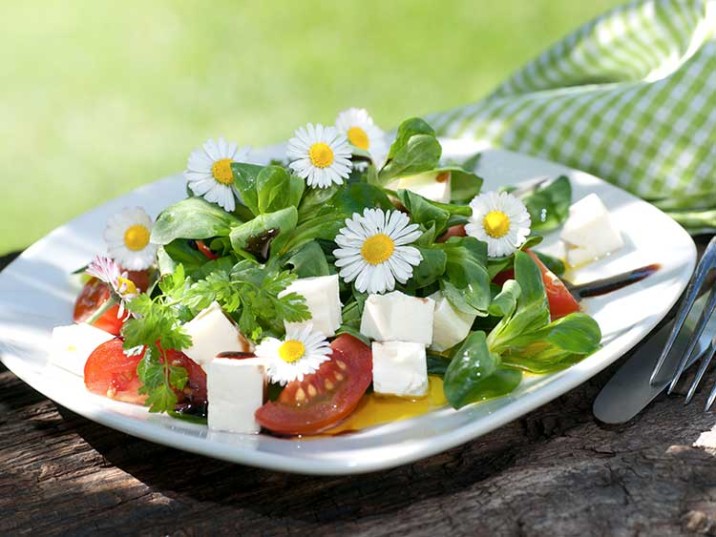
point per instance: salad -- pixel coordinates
(353, 275)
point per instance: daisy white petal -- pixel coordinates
(501, 220)
(370, 252)
(127, 237)
(209, 173)
(360, 130)
(320, 155)
(300, 353)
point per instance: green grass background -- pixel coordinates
(98, 97)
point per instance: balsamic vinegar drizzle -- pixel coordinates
(612, 283)
(259, 244)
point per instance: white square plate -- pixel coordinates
(37, 293)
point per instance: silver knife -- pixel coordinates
(629, 390)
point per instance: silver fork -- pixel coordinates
(705, 266)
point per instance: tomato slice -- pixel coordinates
(112, 373)
(192, 399)
(95, 293)
(325, 397)
(561, 301)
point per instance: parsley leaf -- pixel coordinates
(248, 291)
(155, 327)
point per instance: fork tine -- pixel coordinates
(712, 395)
(707, 262)
(708, 357)
(695, 336)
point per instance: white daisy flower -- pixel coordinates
(208, 172)
(127, 237)
(374, 250)
(300, 353)
(361, 132)
(501, 220)
(320, 155)
(107, 270)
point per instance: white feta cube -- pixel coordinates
(323, 301)
(235, 390)
(450, 325)
(213, 332)
(71, 345)
(399, 368)
(589, 232)
(397, 316)
(434, 186)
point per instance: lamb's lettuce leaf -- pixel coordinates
(525, 338)
(548, 203)
(415, 150)
(466, 282)
(192, 218)
(275, 224)
(475, 373)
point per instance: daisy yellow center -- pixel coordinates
(127, 286)
(321, 155)
(358, 138)
(291, 350)
(377, 249)
(221, 170)
(496, 224)
(136, 237)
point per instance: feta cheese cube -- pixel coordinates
(399, 368)
(450, 326)
(71, 345)
(213, 332)
(589, 232)
(434, 186)
(323, 301)
(397, 316)
(235, 390)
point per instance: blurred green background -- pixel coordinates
(97, 98)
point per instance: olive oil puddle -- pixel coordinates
(375, 409)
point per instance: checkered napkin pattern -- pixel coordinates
(630, 97)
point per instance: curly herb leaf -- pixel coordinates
(155, 327)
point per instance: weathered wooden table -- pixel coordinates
(553, 472)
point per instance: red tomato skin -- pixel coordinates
(453, 231)
(325, 397)
(194, 392)
(561, 302)
(204, 249)
(95, 293)
(112, 373)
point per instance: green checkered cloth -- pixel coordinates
(629, 97)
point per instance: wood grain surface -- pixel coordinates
(554, 472)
